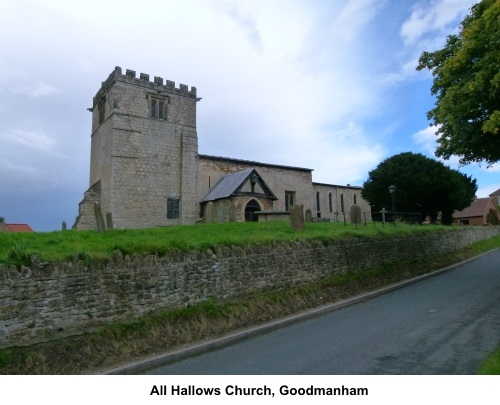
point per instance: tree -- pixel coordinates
(422, 185)
(467, 87)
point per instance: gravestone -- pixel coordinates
(101, 226)
(209, 212)
(308, 216)
(64, 225)
(356, 214)
(109, 220)
(232, 213)
(220, 215)
(297, 217)
(383, 215)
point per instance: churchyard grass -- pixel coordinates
(17, 248)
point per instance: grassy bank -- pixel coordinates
(168, 330)
(17, 248)
(491, 365)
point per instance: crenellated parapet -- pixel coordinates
(157, 84)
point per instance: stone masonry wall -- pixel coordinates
(48, 301)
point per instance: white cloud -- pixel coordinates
(485, 191)
(426, 139)
(36, 90)
(15, 175)
(37, 140)
(437, 17)
(495, 168)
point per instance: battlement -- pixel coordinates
(158, 84)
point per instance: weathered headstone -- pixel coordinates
(109, 220)
(308, 216)
(297, 217)
(64, 225)
(356, 214)
(209, 212)
(101, 226)
(220, 215)
(232, 213)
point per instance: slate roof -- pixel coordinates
(229, 185)
(253, 163)
(478, 208)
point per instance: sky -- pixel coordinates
(329, 85)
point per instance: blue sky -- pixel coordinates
(327, 85)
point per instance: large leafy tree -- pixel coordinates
(467, 87)
(422, 185)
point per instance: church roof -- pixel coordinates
(253, 163)
(229, 184)
(495, 193)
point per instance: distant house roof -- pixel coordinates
(478, 208)
(230, 184)
(15, 228)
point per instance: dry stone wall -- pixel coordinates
(49, 301)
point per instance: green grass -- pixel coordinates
(17, 248)
(491, 365)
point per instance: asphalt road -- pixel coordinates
(446, 324)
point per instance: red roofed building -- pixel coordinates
(15, 227)
(478, 213)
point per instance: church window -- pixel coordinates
(161, 108)
(153, 108)
(289, 200)
(330, 205)
(342, 202)
(354, 198)
(173, 208)
(318, 208)
(157, 108)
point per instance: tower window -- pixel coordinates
(161, 108)
(153, 108)
(330, 205)
(354, 198)
(157, 108)
(342, 202)
(318, 208)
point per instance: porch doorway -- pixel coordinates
(250, 210)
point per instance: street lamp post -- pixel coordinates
(392, 190)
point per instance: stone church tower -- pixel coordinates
(144, 154)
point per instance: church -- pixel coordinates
(145, 169)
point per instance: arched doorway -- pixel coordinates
(250, 209)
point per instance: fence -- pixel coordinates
(375, 218)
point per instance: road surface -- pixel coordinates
(446, 324)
